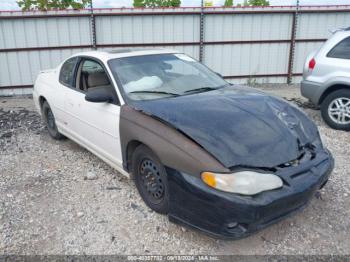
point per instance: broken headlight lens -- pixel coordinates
(242, 182)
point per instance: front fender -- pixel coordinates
(173, 148)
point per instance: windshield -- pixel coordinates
(163, 75)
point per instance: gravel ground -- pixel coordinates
(58, 198)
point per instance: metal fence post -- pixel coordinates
(201, 33)
(292, 44)
(93, 26)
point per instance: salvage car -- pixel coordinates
(225, 159)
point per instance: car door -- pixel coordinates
(95, 125)
(66, 80)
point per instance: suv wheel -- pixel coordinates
(335, 109)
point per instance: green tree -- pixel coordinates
(44, 5)
(139, 3)
(157, 3)
(258, 3)
(228, 3)
(208, 3)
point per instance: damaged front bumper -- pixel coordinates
(229, 215)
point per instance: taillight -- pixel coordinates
(312, 64)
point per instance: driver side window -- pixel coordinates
(92, 75)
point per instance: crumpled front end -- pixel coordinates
(238, 126)
(235, 216)
(243, 129)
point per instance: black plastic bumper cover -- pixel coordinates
(229, 215)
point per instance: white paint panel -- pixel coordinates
(317, 25)
(247, 59)
(21, 68)
(240, 27)
(257, 80)
(22, 33)
(147, 29)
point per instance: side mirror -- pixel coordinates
(99, 95)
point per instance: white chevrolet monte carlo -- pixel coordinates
(225, 159)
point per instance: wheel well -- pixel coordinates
(130, 149)
(331, 89)
(41, 101)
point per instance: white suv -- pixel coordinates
(326, 79)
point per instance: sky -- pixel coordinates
(12, 5)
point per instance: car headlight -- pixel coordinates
(243, 182)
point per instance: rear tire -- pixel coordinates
(50, 122)
(335, 109)
(150, 179)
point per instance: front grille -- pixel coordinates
(304, 156)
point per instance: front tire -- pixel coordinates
(50, 122)
(335, 109)
(151, 179)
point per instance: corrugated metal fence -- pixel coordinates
(243, 44)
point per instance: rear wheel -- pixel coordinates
(335, 109)
(150, 179)
(50, 122)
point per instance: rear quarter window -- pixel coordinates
(341, 50)
(67, 72)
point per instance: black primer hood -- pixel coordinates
(239, 126)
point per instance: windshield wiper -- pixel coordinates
(201, 89)
(153, 92)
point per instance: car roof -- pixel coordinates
(106, 55)
(337, 36)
